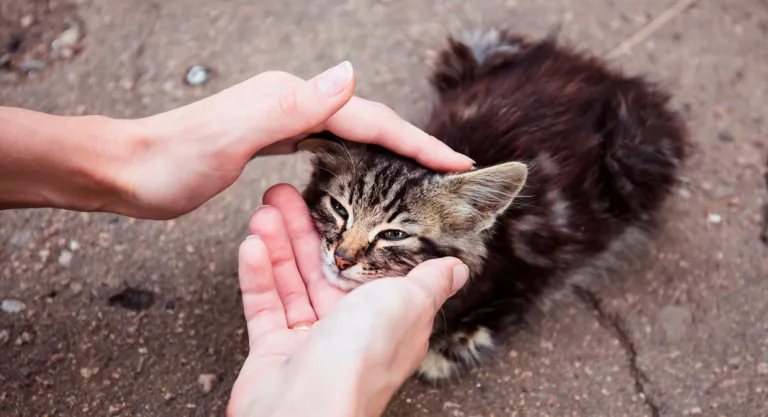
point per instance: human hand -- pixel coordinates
(359, 347)
(188, 155)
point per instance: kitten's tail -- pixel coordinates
(643, 145)
(474, 54)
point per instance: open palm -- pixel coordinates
(315, 350)
(282, 285)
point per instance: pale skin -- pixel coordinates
(350, 352)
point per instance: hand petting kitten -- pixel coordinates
(167, 165)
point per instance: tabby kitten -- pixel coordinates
(591, 154)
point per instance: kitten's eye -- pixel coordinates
(339, 208)
(393, 235)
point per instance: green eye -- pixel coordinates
(393, 235)
(339, 208)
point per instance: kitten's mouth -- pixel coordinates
(338, 280)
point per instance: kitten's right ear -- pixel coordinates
(485, 193)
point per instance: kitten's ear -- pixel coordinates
(487, 191)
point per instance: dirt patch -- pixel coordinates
(28, 31)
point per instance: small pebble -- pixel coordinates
(73, 245)
(762, 368)
(20, 239)
(12, 306)
(28, 66)
(89, 372)
(5, 60)
(198, 75)
(66, 44)
(27, 21)
(5, 336)
(206, 381)
(170, 305)
(25, 371)
(725, 136)
(23, 339)
(714, 218)
(65, 258)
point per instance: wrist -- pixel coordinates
(357, 386)
(62, 162)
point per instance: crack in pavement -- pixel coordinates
(614, 324)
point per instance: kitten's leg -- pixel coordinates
(472, 335)
(459, 351)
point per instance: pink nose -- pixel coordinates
(342, 260)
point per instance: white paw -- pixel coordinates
(436, 367)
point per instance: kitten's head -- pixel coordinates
(380, 215)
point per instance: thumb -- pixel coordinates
(440, 278)
(311, 103)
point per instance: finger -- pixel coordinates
(306, 246)
(308, 104)
(370, 122)
(440, 278)
(261, 303)
(269, 225)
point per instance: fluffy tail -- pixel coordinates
(643, 144)
(474, 54)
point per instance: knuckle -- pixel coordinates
(275, 76)
(289, 104)
(293, 297)
(423, 298)
(264, 218)
(385, 110)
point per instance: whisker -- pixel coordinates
(351, 160)
(327, 170)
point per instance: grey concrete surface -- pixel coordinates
(684, 331)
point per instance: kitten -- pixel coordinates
(590, 153)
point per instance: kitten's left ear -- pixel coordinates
(488, 191)
(321, 142)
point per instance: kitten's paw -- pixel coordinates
(460, 352)
(436, 368)
(469, 348)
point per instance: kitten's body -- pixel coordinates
(602, 152)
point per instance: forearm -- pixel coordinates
(63, 162)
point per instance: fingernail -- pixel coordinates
(333, 81)
(252, 237)
(460, 277)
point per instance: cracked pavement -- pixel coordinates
(685, 324)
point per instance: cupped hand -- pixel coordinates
(188, 155)
(315, 350)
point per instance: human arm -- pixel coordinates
(166, 165)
